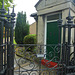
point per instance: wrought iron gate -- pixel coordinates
(6, 44)
(17, 59)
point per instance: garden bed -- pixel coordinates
(30, 56)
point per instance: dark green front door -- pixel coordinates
(52, 38)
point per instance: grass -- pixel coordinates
(14, 41)
(3, 37)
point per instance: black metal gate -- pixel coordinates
(16, 59)
(6, 42)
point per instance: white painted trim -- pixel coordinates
(45, 36)
(52, 21)
(46, 28)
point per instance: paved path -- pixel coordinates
(23, 67)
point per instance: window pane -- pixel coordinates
(74, 1)
(53, 17)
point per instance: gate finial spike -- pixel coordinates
(3, 5)
(69, 16)
(13, 9)
(8, 16)
(60, 20)
(59, 16)
(8, 10)
(69, 12)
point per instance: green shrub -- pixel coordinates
(30, 39)
(14, 33)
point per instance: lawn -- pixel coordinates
(14, 41)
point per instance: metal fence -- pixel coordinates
(24, 59)
(6, 42)
(35, 62)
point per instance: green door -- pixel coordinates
(52, 38)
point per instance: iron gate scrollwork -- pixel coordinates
(35, 63)
(17, 59)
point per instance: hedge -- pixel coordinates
(30, 39)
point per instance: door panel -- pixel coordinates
(52, 38)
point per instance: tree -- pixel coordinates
(7, 3)
(22, 27)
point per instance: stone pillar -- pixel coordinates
(40, 37)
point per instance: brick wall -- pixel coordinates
(33, 28)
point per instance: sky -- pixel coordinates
(26, 6)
